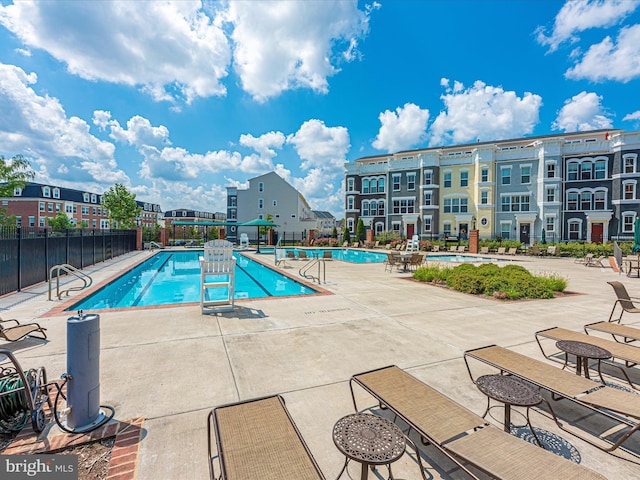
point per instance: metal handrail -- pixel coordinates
(70, 269)
(320, 262)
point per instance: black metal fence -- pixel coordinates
(28, 253)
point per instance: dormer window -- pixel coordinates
(85, 197)
(56, 193)
(17, 192)
(46, 192)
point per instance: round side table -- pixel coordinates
(583, 352)
(369, 440)
(509, 391)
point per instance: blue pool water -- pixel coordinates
(174, 277)
(348, 255)
(463, 259)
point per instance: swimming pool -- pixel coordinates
(174, 277)
(347, 255)
(463, 259)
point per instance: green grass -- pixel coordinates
(511, 282)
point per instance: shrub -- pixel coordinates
(554, 281)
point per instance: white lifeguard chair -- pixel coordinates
(413, 246)
(244, 240)
(217, 273)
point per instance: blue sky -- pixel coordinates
(178, 100)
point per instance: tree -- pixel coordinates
(14, 173)
(334, 233)
(121, 205)
(360, 233)
(60, 222)
(346, 235)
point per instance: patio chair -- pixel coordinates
(535, 250)
(291, 255)
(624, 300)
(302, 255)
(257, 439)
(465, 438)
(327, 255)
(12, 330)
(596, 262)
(484, 250)
(391, 262)
(435, 248)
(453, 249)
(626, 333)
(462, 249)
(586, 259)
(553, 250)
(627, 353)
(415, 261)
(619, 406)
(512, 251)
(502, 250)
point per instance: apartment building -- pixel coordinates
(36, 202)
(269, 195)
(574, 186)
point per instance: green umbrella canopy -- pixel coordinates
(636, 236)
(258, 222)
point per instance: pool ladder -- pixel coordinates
(71, 270)
(320, 277)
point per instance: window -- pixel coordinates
(550, 225)
(601, 170)
(629, 190)
(395, 226)
(446, 229)
(85, 197)
(404, 205)
(464, 179)
(56, 193)
(627, 223)
(350, 202)
(525, 175)
(629, 164)
(396, 183)
(260, 186)
(484, 175)
(373, 186)
(515, 203)
(94, 223)
(572, 201)
(447, 180)
(551, 170)
(484, 221)
(427, 198)
(484, 197)
(350, 224)
(599, 202)
(18, 221)
(42, 206)
(426, 222)
(93, 198)
(46, 192)
(365, 185)
(505, 230)
(381, 185)
(506, 204)
(41, 222)
(49, 207)
(585, 201)
(506, 176)
(58, 206)
(551, 194)
(233, 201)
(260, 203)
(411, 181)
(85, 210)
(32, 221)
(428, 177)
(275, 203)
(365, 209)
(574, 231)
(572, 171)
(586, 170)
(350, 184)
(17, 191)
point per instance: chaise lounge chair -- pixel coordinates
(484, 250)
(257, 439)
(627, 353)
(461, 435)
(502, 250)
(627, 333)
(625, 301)
(512, 251)
(18, 331)
(617, 405)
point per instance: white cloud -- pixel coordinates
(632, 116)
(139, 131)
(281, 46)
(582, 112)
(320, 146)
(170, 49)
(264, 144)
(38, 127)
(579, 15)
(611, 61)
(484, 112)
(401, 129)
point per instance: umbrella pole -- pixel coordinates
(258, 242)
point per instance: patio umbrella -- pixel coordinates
(636, 236)
(258, 222)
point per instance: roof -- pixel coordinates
(322, 214)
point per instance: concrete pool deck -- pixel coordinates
(172, 365)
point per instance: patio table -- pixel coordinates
(583, 352)
(369, 440)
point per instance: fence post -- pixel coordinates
(66, 253)
(19, 231)
(81, 248)
(46, 254)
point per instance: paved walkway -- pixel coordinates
(172, 365)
